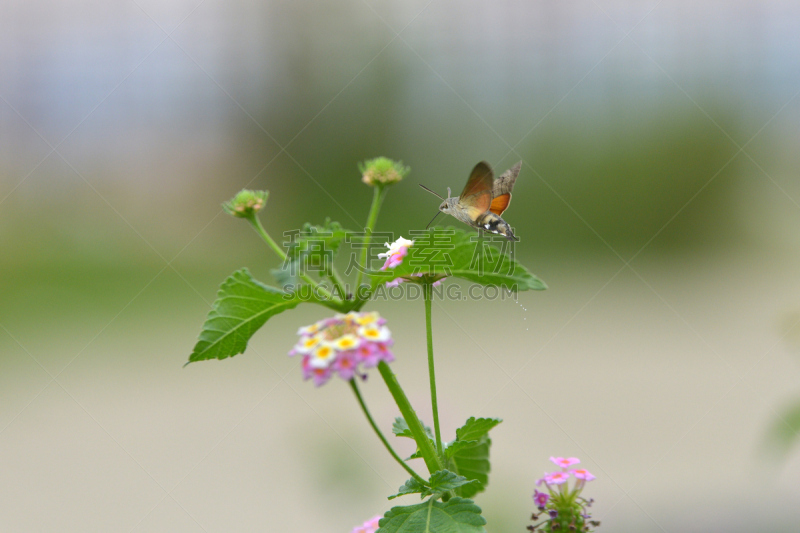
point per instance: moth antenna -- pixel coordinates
(430, 191)
(434, 218)
(448, 192)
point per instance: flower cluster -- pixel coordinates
(382, 171)
(341, 344)
(246, 203)
(394, 257)
(370, 526)
(561, 507)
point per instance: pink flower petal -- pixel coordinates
(556, 478)
(394, 283)
(321, 375)
(346, 365)
(582, 473)
(565, 462)
(540, 498)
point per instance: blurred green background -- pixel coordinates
(658, 199)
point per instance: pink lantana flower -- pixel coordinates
(346, 365)
(540, 498)
(379, 351)
(384, 353)
(342, 345)
(370, 526)
(394, 257)
(562, 508)
(556, 478)
(320, 376)
(583, 474)
(397, 251)
(565, 462)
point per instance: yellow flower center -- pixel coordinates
(366, 319)
(324, 352)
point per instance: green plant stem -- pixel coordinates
(337, 282)
(278, 250)
(432, 460)
(264, 235)
(427, 288)
(378, 432)
(377, 199)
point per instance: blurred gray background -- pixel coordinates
(659, 199)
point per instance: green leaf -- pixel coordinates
(458, 515)
(785, 430)
(468, 455)
(412, 486)
(400, 428)
(452, 448)
(475, 428)
(287, 275)
(318, 240)
(471, 460)
(440, 482)
(311, 250)
(416, 455)
(242, 306)
(454, 252)
(444, 480)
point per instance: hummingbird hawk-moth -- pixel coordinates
(483, 200)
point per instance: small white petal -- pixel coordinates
(318, 363)
(375, 334)
(396, 246)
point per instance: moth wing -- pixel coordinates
(505, 182)
(500, 203)
(477, 193)
(472, 212)
(501, 189)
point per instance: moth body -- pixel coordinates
(487, 221)
(495, 224)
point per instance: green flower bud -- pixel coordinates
(246, 203)
(382, 171)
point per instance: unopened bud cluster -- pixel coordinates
(246, 203)
(382, 171)
(562, 509)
